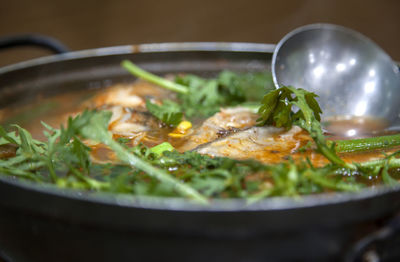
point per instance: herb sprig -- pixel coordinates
(169, 112)
(277, 109)
(201, 97)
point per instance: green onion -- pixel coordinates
(138, 72)
(363, 144)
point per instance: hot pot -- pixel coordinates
(43, 223)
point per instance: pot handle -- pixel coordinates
(365, 248)
(33, 40)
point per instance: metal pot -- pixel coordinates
(43, 223)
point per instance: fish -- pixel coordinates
(127, 103)
(221, 124)
(272, 145)
(266, 144)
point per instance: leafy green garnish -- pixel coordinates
(252, 85)
(64, 156)
(96, 129)
(65, 160)
(169, 112)
(207, 96)
(201, 97)
(277, 109)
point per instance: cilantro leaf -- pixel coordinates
(205, 97)
(276, 109)
(201, 97)
(245, 86)
(169, 112)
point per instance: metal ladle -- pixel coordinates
(353, 77)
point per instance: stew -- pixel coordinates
(183, 135)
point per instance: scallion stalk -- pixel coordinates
(370, 143)
(162, 82)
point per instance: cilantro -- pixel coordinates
(203, 97)
(252, 86)
(276, 109)
(169, 112)
(200, 97)
(206, 96)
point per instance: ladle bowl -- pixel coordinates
(353, 77)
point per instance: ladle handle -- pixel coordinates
(33, 40)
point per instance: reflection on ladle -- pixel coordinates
(355, 127)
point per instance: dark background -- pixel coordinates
(90, 24)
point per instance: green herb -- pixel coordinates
(294, 179)
(202, 97)
(64, 155)
(207, 96)
(252, 86)
(277, 109)
(65, 161)
(96, 129)
(169, 112)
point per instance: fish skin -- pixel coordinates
(223, 123)
(267, 144)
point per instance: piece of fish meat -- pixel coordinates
(223, 123)
(267, 144)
